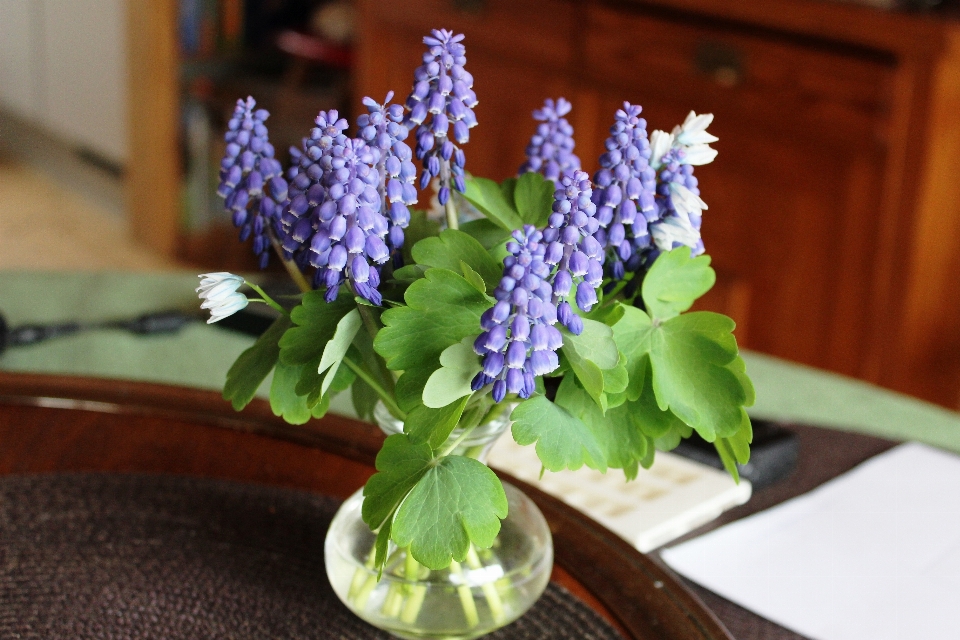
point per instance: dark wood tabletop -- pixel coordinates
(59, 424)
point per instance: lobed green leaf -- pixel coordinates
(254, 365)
(675, 281)
(562, 440)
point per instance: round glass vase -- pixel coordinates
(488, 590)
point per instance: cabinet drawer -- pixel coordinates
(774, 80)
(539, 31)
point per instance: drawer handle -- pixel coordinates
(721, 62)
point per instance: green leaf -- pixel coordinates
(473, 277)
(487, 196)
(485, 232)
(400, 465)
(420, 227)
(316, 322)
(284, 400)
(254, 365)
(382, 545)
(648, 416)
(675, 281)
(690, 357)
(409, 273)
(736, 449)
(563, 440)
(433, 426)
(442, 309)
(459, 364)
(533, 197)
(364, 399)
(457, 502)
(739, 369)
(589, 354)
(453, 247)
(618, 435)
(409, 389)
(629, 333)
(615, 380)
(336, 347)
(508, 188)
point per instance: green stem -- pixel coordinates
(416, 592)
(373, 327)
(385, 396)
(453, 222)
(267, 300)
(456, 443)
(489, 589)
(291, 267)
(466, 597)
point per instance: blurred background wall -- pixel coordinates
(834, 219)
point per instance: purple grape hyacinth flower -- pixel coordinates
(519, 341)
(251, 179)
(382, 127)
(442, 98)
(624, 191)
(550, 151)
(573, 248)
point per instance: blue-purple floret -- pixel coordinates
(674, 171)
(519, 341)
(382, 128)
(625, 192)
(442, 98)
(572, 247)
(251, 179)
(550, 151)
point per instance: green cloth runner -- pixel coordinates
(200, 355)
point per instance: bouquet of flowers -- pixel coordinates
(555, 298)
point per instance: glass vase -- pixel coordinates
(489, 589)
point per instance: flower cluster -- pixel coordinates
(624, 194)
(442, 98)
(550, 150)
(382, 128)
(679, 206)
(572, 247)
(251, 179)
(519, 341)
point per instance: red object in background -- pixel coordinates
(314, 49)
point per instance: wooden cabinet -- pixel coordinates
(834, 217)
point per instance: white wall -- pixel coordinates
(63, 66)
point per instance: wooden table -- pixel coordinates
(59, 424)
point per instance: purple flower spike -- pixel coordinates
(572, 247)
(251, 179)
(625, 187)
(441, 105)
(519, 341)
(334, 219)
(550, 151)
(383, 128)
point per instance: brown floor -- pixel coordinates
(49, 226)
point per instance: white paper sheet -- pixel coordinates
(873, 554)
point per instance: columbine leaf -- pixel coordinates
(253, 365)
(486, 196)
(619, 437)
(442, 309)
(589, 354)
(675, 281)
(629, 334)
(420, 227)
(690, 357)
(316, 322)
(457, 502)
(400, 465)
(283, 395)
(454, 246)
(533, 197)
(459, 364)
(364, 399)
(473, 277)
(645, 412)
(736, 449)
(485, 232)
(433, 426)
(336, 347)
(563, 440)
(409, 389)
